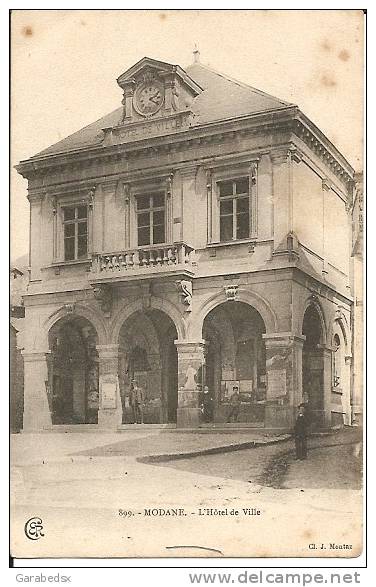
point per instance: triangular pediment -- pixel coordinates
(147, 65)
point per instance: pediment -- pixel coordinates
(159, 68)
(155, 89)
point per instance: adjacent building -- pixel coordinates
(199, 235)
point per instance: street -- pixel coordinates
(96, 498)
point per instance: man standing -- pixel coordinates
(207, 405)
(235, 405)
(300, 433)
(136, 401)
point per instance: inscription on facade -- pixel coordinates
(145, 129)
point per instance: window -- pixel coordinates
(234, 203)
(75, 232)
(150, 210)
(336, 361)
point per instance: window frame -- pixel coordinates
(234, 199)
(216, 176)
(76, 221)
(147, 187)
(59, 205)
(151, 210)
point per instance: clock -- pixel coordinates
(148, 97)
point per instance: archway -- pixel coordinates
(73, 372)
(235, 358)
(148, 357)
(313, 366)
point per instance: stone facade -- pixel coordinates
(200, 252)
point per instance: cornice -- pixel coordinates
(194, 136)
(284, 119)
(324, 150)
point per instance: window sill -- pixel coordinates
(58, 264)
(245, 241)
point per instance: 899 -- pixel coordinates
(125, 513)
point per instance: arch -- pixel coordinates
(146, 331)
(248, 297)
(314, 302)
(70, 312)
(128, 309)
(342, 324)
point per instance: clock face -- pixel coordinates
(148, 98)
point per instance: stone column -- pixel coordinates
(191, 362)
(110, 409)
(37, 413)
(283, 378)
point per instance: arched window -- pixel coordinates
(336, 362)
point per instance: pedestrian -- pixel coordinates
(235, 405)
(136, 401)
(300, 433)
(208, 406)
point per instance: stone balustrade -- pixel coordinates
(154, 258)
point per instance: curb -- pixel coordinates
(210, 451)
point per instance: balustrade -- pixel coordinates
(157, 257)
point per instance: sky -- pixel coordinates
(64, 65)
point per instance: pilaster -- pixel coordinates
(110, 411)
(191, 374)
(37, 411)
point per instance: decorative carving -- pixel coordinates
(184, 288)
(169, 185)
(69, 308)
(91, 197)
(231, 292)
(103, 294)
(146, 293)
(127, 191)
(325, 184)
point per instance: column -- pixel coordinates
(191, 361)
(110, 411)
(37, 412)
(283, 378)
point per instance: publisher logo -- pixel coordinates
(33, 528)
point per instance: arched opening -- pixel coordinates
(340, 396)
(148, 358)
(313, 366)
(73, 387)
(235, 361)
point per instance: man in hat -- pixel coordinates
(136, 401)
(300, 433)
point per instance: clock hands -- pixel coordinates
(152, 98)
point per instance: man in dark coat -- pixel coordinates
(136, 401)
(208, 405)
(235, 405)
(300, 433)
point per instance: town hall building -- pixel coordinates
(199, 236)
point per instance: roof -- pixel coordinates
(225, 97)
(222, 98)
